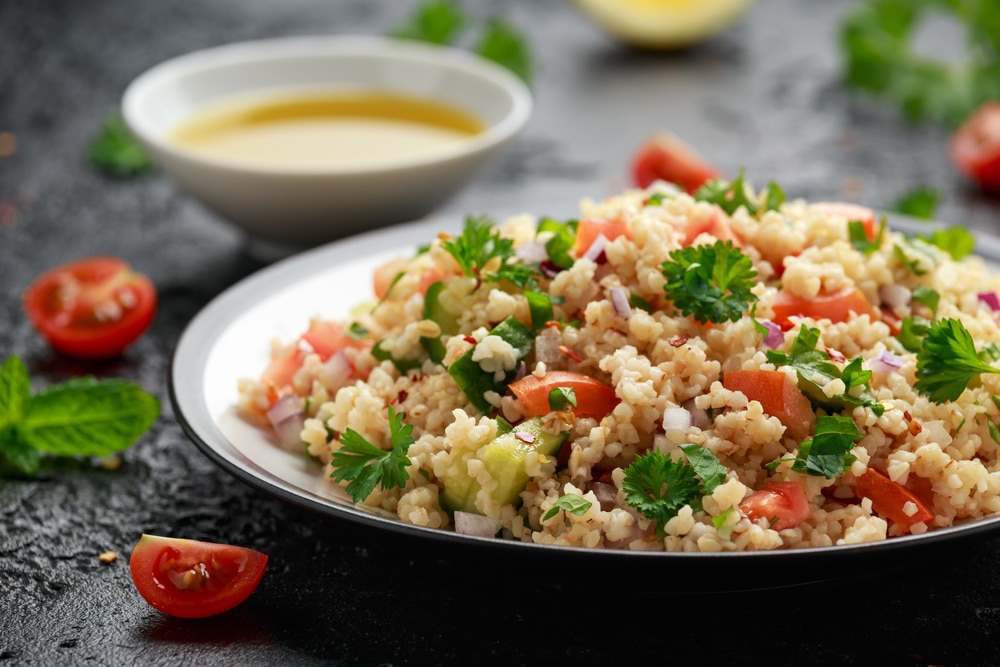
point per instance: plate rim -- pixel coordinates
(191, 413)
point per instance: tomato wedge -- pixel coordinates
(975, 146)
(667, 158)
(328, 338)
(782, 504)
(593, 397)
(778, 395)
(92, 308)
(717, 225)
(835, 306)
(852, 213)
(191, 579)
(589, 229)
(889, 500)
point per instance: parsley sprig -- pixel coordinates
(483, 253)
(947, 362)
(710, 282)
(116, 152)
(729, 196)
(366, 466)
(81, 417)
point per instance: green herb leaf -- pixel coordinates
(658, 487)
(402, 365)
(356, 331)
(561, 242)
(540, 307)
(927, 296)
(637, 301)
(474, 381)
(504, 44)
(570, 503)
(859, 237)
(434, 21)
(956, 241)
(115, 152)
(947, 362)
(994, 431)
(706, 465)
(480, 245)
(921, 202)
(562, 398)
(15, 390)
(828, 453)
(730, 196)
(366, 466)
(711, 282)
(912, 331)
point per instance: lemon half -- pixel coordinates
(663, 24)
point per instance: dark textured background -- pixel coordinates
(765, 95)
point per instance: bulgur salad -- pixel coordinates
(722, 371)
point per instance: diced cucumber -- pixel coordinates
(504, 458)
(474, 381)
(433, 310)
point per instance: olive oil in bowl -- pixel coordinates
(324, 130)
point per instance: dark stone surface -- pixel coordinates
(765, 95)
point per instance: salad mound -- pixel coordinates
(720, 371)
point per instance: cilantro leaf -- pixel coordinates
(706, 465)
(562, 398)
(366, 466)
(947, 362)
(116, 152)
(571, 503)
(504, 44)
(434, 21)
(921, 202)
(658, 487)
(711, 282)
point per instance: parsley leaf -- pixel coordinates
(828, 453)
(504, 44)
(116, 152)
(562, 398)
(859, 237)
(706, 466)
(815, 370)
(366, 466)
(956, 241)
(711, 282)
(561, 242)
(571, 503)
(947, 361)
(483, 253)
(921, 202)
(730, 196)
(434, 21)
(81, 417)
(927, 296)
(912, 331)
(658, 487)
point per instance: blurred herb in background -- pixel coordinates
(876, 40)
(442, 21)
(115, 151)
(921, 202)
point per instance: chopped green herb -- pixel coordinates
(656, 199)
(994, 431)
(706, 466)
(948, 362)
(730, 196)
(711, 282)
(505, 45)
(921, 202)
(116, 152)
(658, 487)
(560, 244)
(571, 503)
(81, 417)
(483, 253)
(719, 520)
(912, 331)
(366, 466)
(395, 280)
(434, 21)
(927, 296)
(859, 237)
(915, 255)
(402, 365)
(562, 398)
(990, 352)
(956, 241)
(356, 331)
(828, 453)
(637, 301)
(540, 307)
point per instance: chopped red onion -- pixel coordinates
(676, 420)
(595, 252)
(619, 299)
(338, 370)
(607, 494)
(990, 299)
(525, 436)
(775, 336)
(532, 251)
(547, 349)
(894, 295)
(287, 416)
(467, 523)
(886, 362)
(549, 269)
(836, 355)
(699, 417)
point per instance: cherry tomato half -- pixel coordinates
(594, 398)
(975, 146)
(92, 308)
(667, 158)
(191, 579)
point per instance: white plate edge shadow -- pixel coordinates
(230, 339)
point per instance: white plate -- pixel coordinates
(230, 339)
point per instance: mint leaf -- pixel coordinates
(15, 389)
(571, 503)
(706, 465)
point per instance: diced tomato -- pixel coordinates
(975, 146)
(778, 395)
(889, 500)
(589, 229)
(593, 397)
(852, 213)
(92, 308)
(782, 504)
(717, 225)
(385, 275)
(281, 370)
(667, 158)
(836, 306)
(327, 338)
(190, 579)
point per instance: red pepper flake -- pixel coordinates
(401, 396)
(915, 428)
(836, 355)
(471, 340)
(525, 436)
(907, 416)
(554, 324)
(678, 341)
(570, 353)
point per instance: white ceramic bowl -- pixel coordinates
(308, 206)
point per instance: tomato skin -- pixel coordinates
(717, 225)
(92, 308)
(852, 213)
(834, 306)
(667, 158)
(888, 499)
(778, 395)
(975, 147)
(589, 229)
(385, 275)
(784, 501)
(229, 574)
(328, 338)
(593, 397)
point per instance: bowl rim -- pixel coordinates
(278, 48)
